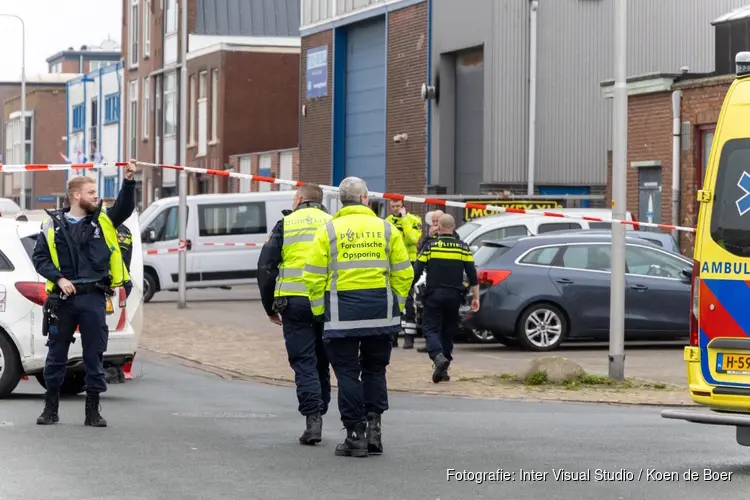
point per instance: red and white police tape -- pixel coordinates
(423, 200)
(184, 246)
(374, 194)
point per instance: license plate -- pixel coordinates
(733, 364)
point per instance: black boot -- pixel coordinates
(374, 434)
(51, 406)
(408, 341)
(446, 377)
(422, 349)
(441, 367)
(314, 432)
(355, 444)
(395, 340)
(93, 417)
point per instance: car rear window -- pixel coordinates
(488, 253)
(730, 218)
(28, 244)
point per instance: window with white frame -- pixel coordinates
(214, 105)
(133, 120)
(19, 139)
(170, 104)
(146, 103)
(146, 28)
(134, 21)
(202, 112)
(193, 101)
(94, 126)
(170, 25)
(56, 68)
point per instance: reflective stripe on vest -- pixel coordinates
(117, 270)
(299, 232)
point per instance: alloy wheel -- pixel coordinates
(543, 328)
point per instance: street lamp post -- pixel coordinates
(23, 102)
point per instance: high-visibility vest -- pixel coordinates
(299, 231)
(118, 273)
(411, 228)
(359, 268)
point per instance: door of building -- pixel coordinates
(469, 126)
(649, 194)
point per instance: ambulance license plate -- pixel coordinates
(733, 364)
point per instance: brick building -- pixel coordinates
(650, 131)
(242, 97)
(40, 142)
(282, 164)
(362, 112)
(152, 41)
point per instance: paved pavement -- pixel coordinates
(180, 434)
(231, 319)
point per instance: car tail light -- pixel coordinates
(33, 291)
(695, 285)
(492, 277)
(123, 314)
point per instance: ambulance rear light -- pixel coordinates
(742, 60)
(33, 291)
(123, 314)
(695, 284)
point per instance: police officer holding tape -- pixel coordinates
(79, 254)
(445, 259)
(285, 299)
(358, 276)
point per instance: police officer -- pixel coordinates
(445, 259)
(125, 239)
(78, 253)
(411, 229)
(358, 275)
(284, 297)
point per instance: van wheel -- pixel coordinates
(149, 286)
(542, 327)
(74, 383)
(10, 366)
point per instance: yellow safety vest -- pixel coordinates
(299, 231)
(359, 267)
(117, 270)
(411, 228)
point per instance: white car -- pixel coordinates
(22, 346)
(504, 225)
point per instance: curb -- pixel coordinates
(235, 375)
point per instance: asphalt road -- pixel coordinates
(180, 434)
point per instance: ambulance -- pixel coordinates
(718, 357)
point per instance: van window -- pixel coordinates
(5, 264)
(730, 219)
(500, 234)
(600, 225)
(228, 219)
(166, 224)
(557, 226)
(29, 243)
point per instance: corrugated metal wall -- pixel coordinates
(248, 17)
(575, 56)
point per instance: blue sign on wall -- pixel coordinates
(317, 72)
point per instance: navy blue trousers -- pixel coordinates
(441, 321)
(88, 313)
(303, 337)
(365, 357)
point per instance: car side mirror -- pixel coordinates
(473, 248)
(149, 236)
(687, 273)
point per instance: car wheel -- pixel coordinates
(149, 286)
(74, 383)
(10, 367)
(542, 327)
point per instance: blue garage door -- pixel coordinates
(365, 103)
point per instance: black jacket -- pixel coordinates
(270, 258)
(82, 252)
(445, 259)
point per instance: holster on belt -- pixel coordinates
(280, 304)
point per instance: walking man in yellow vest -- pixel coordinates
(285, 299)
(79, 254)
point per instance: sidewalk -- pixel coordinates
(236, 337)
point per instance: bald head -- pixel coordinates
(446, 224)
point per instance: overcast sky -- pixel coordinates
(52, 26)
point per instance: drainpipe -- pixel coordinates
(676, 105)
(532, 93)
